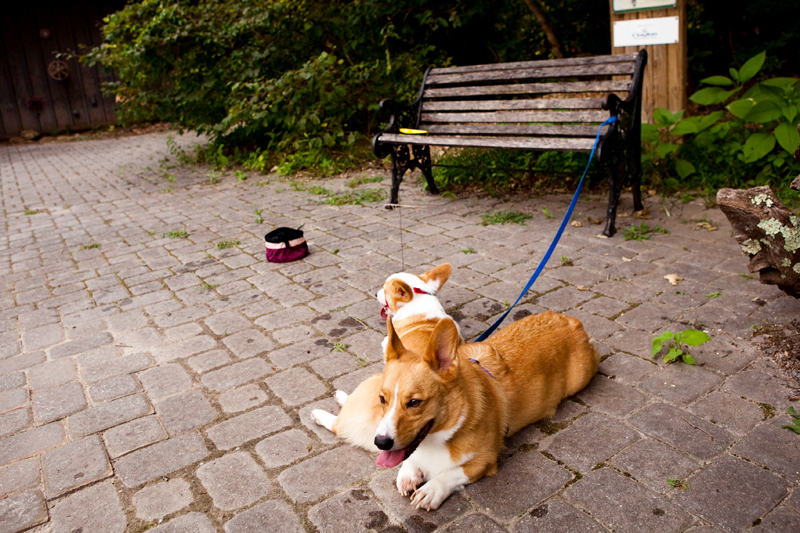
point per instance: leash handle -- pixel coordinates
(553, 245)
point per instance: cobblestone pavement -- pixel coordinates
(166, 383)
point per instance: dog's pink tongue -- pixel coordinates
(390, 459)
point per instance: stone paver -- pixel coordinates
(162, 383)
(74, 464)
(234, 481)
(96, 508)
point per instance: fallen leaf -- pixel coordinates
(583, 288)
(309, 446)
(707, 226)
(576, 224)
(651, 192)
(596, 220)
(623, 215)
(642, 215)
(600, 236)
(673, 278)
(627, 259)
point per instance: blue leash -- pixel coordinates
(557, 238)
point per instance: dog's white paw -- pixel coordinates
(431, 495)
(321, 418)
(341, 396)
(408, 479)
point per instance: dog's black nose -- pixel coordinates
(383, 442)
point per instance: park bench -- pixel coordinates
(532, 105)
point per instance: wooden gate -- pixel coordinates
(43, 86)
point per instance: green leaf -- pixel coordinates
(663, 150)
(791, 411)
(787, 137)
(687, 125)
(694, 337)
(740, 108)
(707, 96)
(673, 354)
(789, 111)
(688, 359)
(657, 342)
(783, 83)
(665, 117)
(734, 73)
(757, 146)
(763, 112)
(722, 81)
(709, 120)
(794, 427)
(684, 168)
(751, 67)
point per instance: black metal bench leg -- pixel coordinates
(399, 167)
(422, 159)
(615, 178)
(636, 187)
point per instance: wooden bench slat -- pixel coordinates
(620, 58)
(530, 88)
(567, 131)
(543, 143)
(514, 117)
(602, 69)
(496, 105)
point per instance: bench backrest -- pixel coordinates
(561, 97)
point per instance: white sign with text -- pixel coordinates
(638, 5)
(641, 32)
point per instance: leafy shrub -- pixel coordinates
(742, 138)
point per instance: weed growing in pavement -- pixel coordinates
(547, 213)
(241, 175)
(505, 217)
(176, 234)
(259, 218)
(227, 244)
(690, 337)
(213, 177)
(795, 425)
(566, 261)
(713, 295)
(335, 251)
(339, 347)
(355, 182)
(208, 287)
(31, 211)
(90, 246)
(468, 251)
(678, 483)
(363, 361)
(640, 233)
(356, 197)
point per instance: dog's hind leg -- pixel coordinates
(323, 419)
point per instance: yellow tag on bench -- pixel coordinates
(409, 131)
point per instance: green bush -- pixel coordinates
(741, 138)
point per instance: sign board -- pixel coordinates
(621, 6)
(642, 32)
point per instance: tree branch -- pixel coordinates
(555, 44)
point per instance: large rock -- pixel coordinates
(768, 232)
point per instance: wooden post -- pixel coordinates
(665, 76)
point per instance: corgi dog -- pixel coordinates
(444, 411)
(410, 302)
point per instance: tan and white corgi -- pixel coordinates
(444, 411)
(411, 302)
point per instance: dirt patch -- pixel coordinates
(105, 132)
(783, 344)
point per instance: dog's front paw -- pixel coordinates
(408, 479)
(431, 495)
(341, 397)
(321, 418)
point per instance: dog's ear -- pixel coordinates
(436, 277)
(397, 293)
(394, 348)
(442, 348)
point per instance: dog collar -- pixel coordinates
(385, 308)
(420, 291)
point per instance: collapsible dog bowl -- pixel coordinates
(285, 245)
